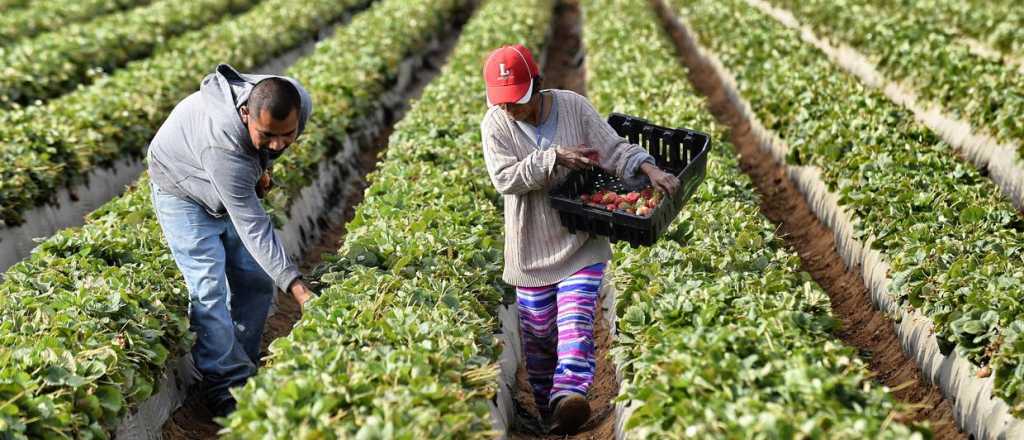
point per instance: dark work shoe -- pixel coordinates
(222, 407)
(571, 413)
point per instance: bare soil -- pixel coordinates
(564, 64)
(863, 326)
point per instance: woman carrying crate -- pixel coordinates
(532, 138)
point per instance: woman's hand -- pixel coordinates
(661, 180)
(576, 157)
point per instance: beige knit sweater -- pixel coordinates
(539, 251)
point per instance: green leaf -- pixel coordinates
(110, 398)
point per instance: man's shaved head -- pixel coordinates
(272, 115)
(277, 95)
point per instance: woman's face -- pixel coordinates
(520, 112)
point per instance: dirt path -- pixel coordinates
(564, 68)
(193, 421)
(605, 387)
(863, 327)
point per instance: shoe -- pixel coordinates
(571, 413)
(222, 407)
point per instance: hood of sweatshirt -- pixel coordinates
(225, 90)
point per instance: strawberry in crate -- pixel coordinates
(640, 203)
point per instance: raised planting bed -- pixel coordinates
(109, 292)
(44, 148)
(47, 65)
(19, 22)
(928, 234)
(401, 343)
(720, 332)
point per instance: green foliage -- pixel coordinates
(87, 324)
(722, 335)
(909, 44)
(56, 62)
(47, 146)
(48, 15)
(997, 23)
(89, 321)
(954, 245)
(400, 344)
(9, 5)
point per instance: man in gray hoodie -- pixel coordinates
(209, 165)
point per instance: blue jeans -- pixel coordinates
(229, 293)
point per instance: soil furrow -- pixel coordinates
(863, 326)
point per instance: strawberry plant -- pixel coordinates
(48, 15)
(89, 321)
(400, 344)
(721, 335)
(997, 23)
(12, 4)
(45, 147)
(56, 62)
(911, 46)
(954, 246)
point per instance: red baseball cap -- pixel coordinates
(509, 73)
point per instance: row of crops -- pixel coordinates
(47, 15)
(48, 146)
(91, 319)
(400, 344)
(910, 45)
(56, 62)
(720, 332)
(401, 338)
(953, 244)
(998, 24)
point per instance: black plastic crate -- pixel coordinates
(679, 151)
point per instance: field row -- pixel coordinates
(998, 24)
(422, 262)
(910, 45)
(56, 62)
(90, 320)
(48, 15)
(400, 344)
(954, 245)
(43, 148)
(721, 333)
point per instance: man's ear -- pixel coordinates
(244, 113)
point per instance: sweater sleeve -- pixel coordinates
(237, 190)
(509, 174)
(617, 155)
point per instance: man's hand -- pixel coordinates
(661, 180)
(265, 184)
(301, 291)
(575, 158)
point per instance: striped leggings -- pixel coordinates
(557, 327)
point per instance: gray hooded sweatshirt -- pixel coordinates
(203, 153)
